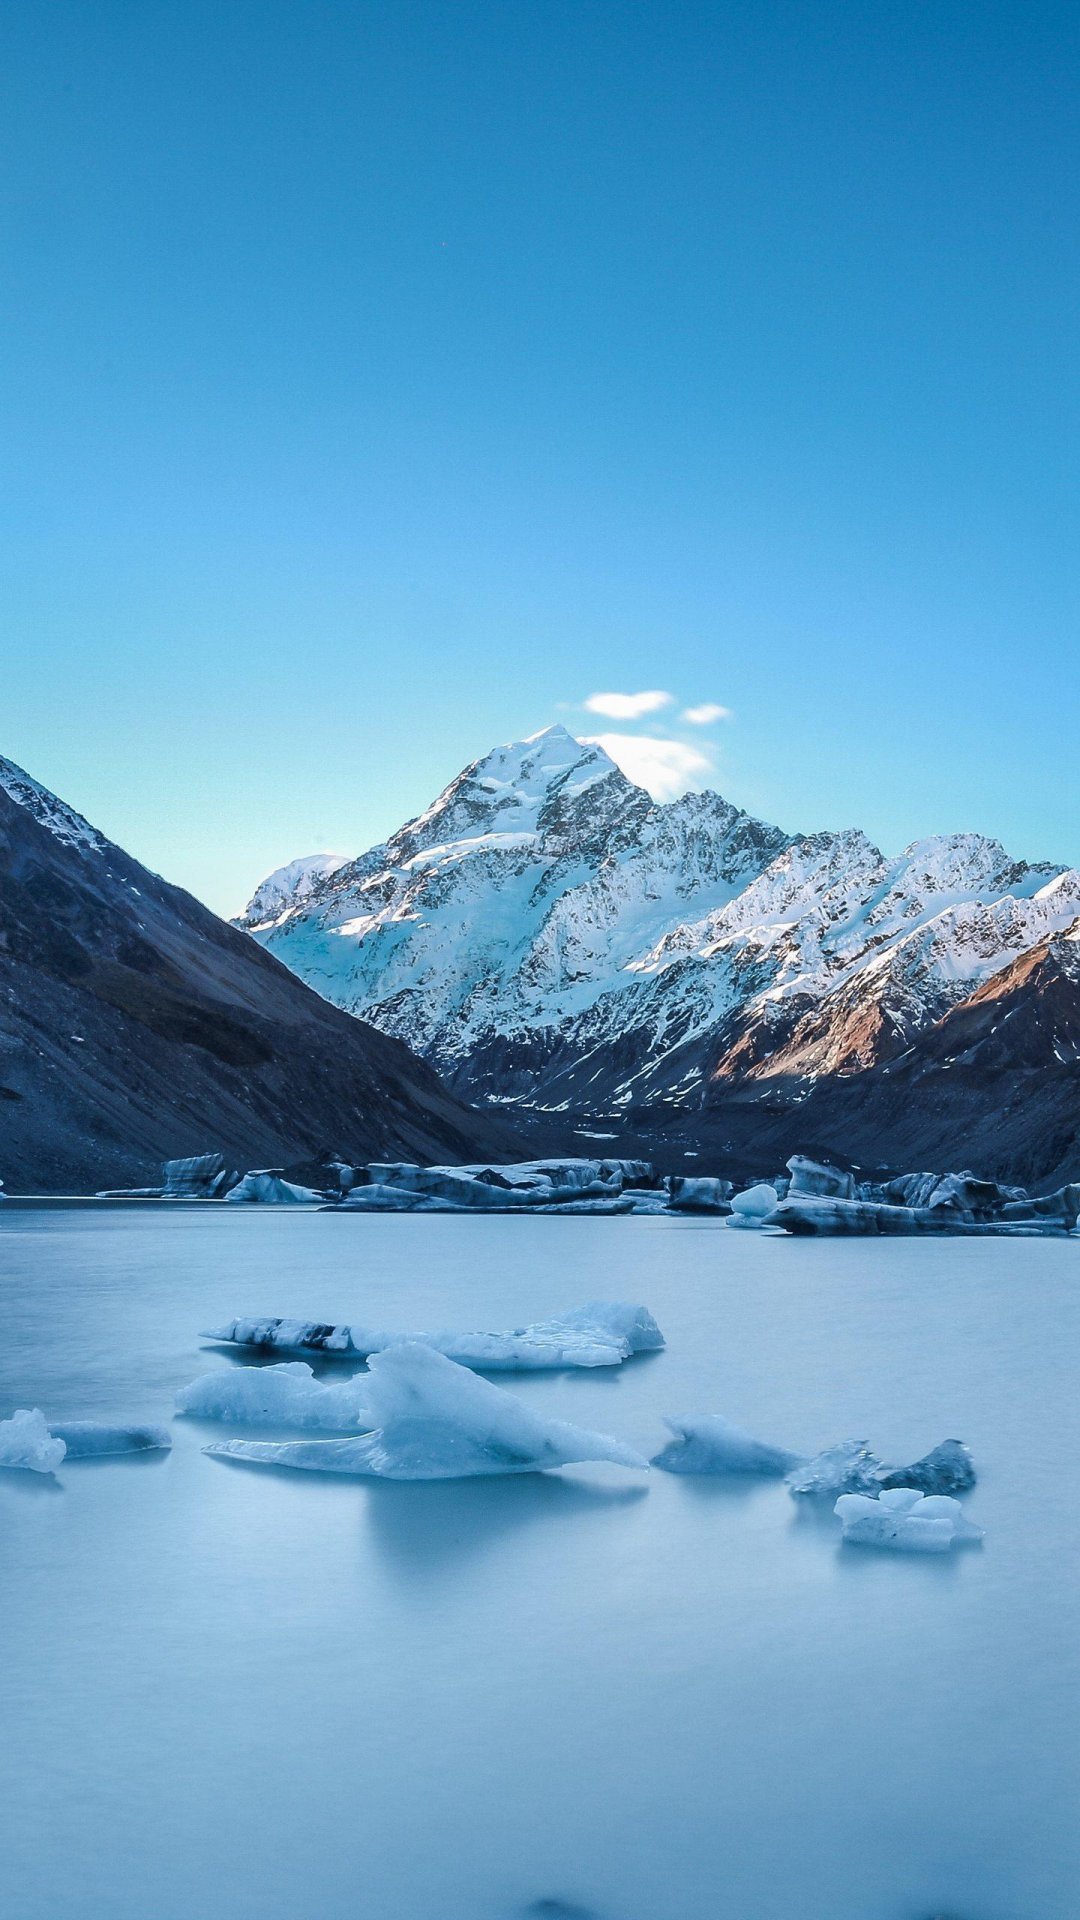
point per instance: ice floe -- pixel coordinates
(699, 1193)
(437, 1421)
(947, 1468)
(905, 1521)
(815, 1177)
(268, 1187)
(202, 1176)
(848, 1467)
(87, 1439)
(25, 1441)
(707, 1443)
(287, 1395)
(752, 1207)
(600, 1334)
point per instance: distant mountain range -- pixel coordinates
(553, 940)
(136, 1026)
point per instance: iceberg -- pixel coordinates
(699, 1193)
(291, 1336)
(540, 1186)
(707, 1443)
(867, 1216)
(753, 1207)
(815, 1178)
(619, 1203)
(600, 1334)
(287, 1395)
(203, 1176)
(385, 1199)
(270, 1188)
(25, 1441)
(437, 1421)
(849, 1467)
(87, 1439)
(947, 1468)
(905, 1521)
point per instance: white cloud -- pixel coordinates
(665, 767)
(704, 715)
(628, 706)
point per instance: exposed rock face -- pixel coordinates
(995, 1085)
(136, 1027)
(546, 934)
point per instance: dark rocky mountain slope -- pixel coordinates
(136, 1026)
(993, 1085)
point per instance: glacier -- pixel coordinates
(434, 1420)
(286, 1395)
(905, 1521)
(601, 1334)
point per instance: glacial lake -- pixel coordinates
(230, 1692)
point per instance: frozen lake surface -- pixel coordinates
(231, 1691)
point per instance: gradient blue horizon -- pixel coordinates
(381, 380)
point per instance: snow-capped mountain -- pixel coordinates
(289, 887)
(548, 934)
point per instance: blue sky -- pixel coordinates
(379, 381)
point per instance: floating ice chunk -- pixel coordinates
(84, 1439)
(947, 1468)
(690, 1193)
(752, 1207)
(707, 1443)
(203, 1176)
(643, 1202)
(290, 1336)
(823, 1216)
(905, 1521)
(810, 1177)
(620, 1203)
(849, 1467)
(602, 1333)
(287, 1395)
(436, 1421)
(269, 1189)
(384, 1199)
(25, 1441)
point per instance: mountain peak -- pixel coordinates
(288, 887)
(61, 820)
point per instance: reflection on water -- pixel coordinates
(419, 1534)
(588, 1695)
(553, 1909)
